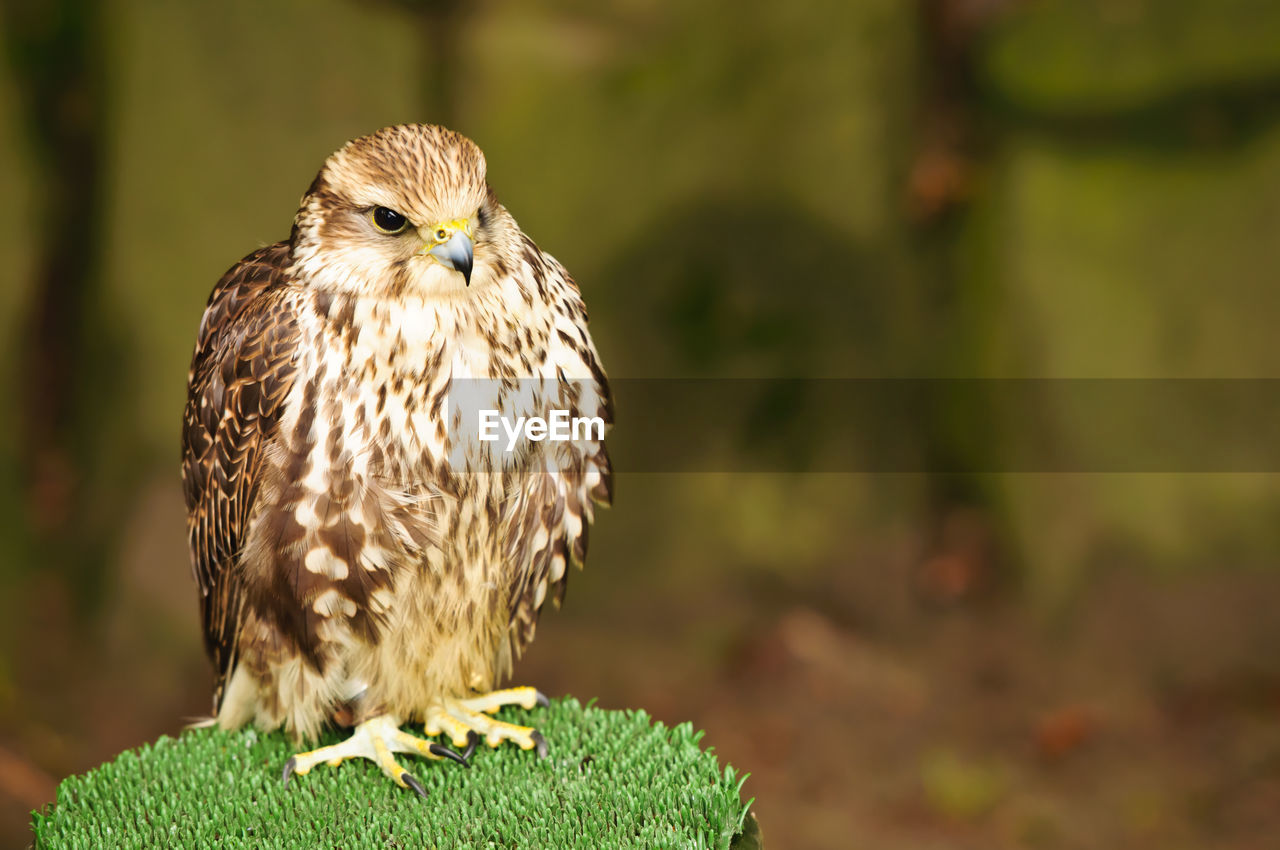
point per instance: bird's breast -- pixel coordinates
(415, 383)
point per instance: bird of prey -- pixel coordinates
(363, 556)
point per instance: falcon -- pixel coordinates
(364, 557)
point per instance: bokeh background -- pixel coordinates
(838, 188)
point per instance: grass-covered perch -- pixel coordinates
(611, 779)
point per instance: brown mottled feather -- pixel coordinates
(241, 373)
(549, 503)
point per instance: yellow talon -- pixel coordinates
(441, 721)
(376, 739)
(459, 718)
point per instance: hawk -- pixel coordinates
(362, 556)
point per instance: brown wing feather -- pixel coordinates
(554, 513)
(241, 373)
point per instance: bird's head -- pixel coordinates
(404, 211)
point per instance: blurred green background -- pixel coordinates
(869, 188)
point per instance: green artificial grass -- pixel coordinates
(610, 779)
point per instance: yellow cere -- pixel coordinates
(443, 231)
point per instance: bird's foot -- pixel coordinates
(376, 739)
(466, 720)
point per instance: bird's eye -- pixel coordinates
(389, 221)
(441, 234)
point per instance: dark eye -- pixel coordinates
(389, 221)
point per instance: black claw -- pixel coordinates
(289, 767)
(412, 782)
(542, 699)
(473, 739)
(444, 752)
(540, 742)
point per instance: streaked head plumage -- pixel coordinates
(398, 211)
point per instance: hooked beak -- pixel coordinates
(455, 254)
